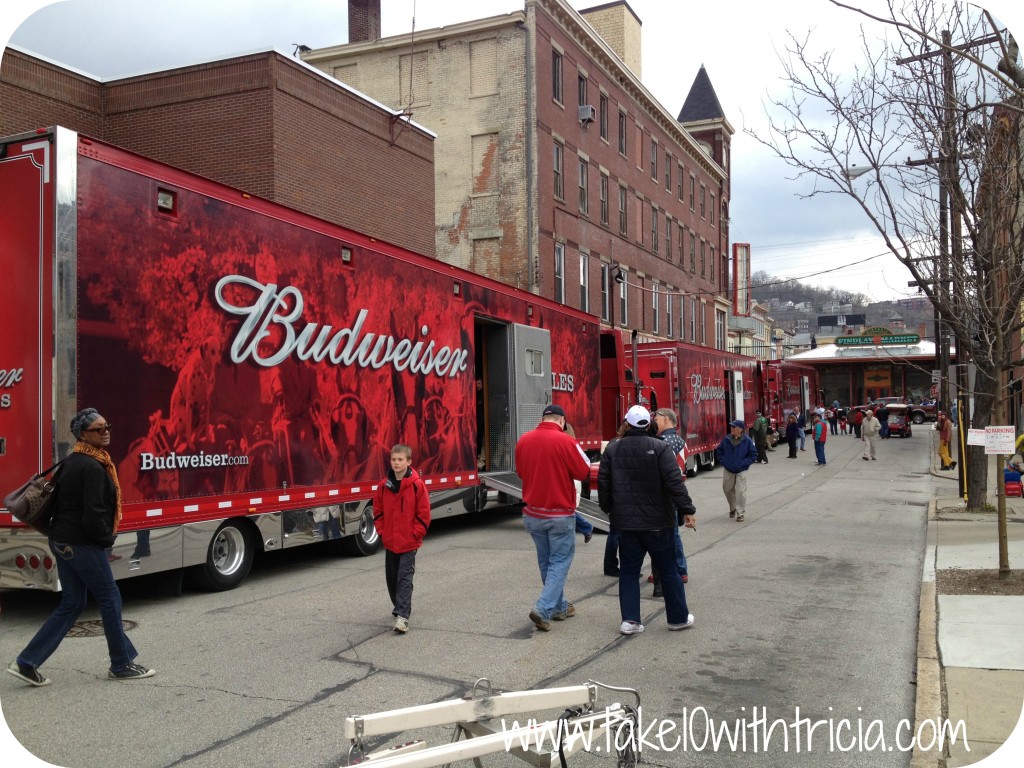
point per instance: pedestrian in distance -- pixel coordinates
(611, 545)
(882, 414)
(858, 419)
(583, 525)
(833, 419)
(640, 487)
(736, 453)
(870, 428)
(401, 514)
(945, 429)
(820, 437)
(547, 461)
(792, 435)
(759, 431)
(801, 422)
(85, 521)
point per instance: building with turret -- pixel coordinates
(556, 170)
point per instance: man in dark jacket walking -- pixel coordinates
(640, 487)
(736, 453)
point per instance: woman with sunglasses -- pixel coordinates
(88, 510)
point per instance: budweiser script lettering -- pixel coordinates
(703, 391)
(281, 308)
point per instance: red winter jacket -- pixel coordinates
(548, 460)
(401, 512)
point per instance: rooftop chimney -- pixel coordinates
(618, 26)
(363, 21)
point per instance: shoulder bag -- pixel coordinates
(33, 503)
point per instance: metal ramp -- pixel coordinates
(510, 484)
(481, 728)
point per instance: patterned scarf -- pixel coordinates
(108, 464)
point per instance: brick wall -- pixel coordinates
(262, 123)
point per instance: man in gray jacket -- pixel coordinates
(640, 487)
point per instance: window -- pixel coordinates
(656, 309)
(654, 160)
(581, 88)
(668, 172)
(711, 264)
(560, 273)
(623, 304)
(668, 238)
(703, 325)
(693, 320)
(713, 210)
(622, 211)
(605, 291)
(654, 229)
(693, 187)
(639, 147)
(638, 203)
(679, 183)
(719, 329)
(703, 191)
(556, 76)
(604, 199)
(584, 173)
(622, 133)
(584, 282)
(703, 257)
(682, 240)
(668, 312)
(559, 190)
(693, 253)
(602, 116)
(682, 317)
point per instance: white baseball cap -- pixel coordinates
(638, 416)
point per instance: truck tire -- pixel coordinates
(366, 541)
(917, 417)
(475, 499)
(228, 558)
(707, 460)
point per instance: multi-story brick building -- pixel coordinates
(265, 123)
(556, 169)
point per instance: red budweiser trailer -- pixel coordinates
(788, 388)
(707, 388)
(257, 363)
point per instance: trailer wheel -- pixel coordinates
(228, 558)
(692, 466)
(707, 460)
(475, 499)
(367, 541)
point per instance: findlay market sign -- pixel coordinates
(877, 337)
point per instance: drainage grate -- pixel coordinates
(94, 628)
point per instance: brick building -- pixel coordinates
(556, 169)
(265, 123)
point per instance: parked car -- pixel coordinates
(900, 419)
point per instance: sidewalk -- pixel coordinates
(970, 647)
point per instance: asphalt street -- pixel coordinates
(808, 609)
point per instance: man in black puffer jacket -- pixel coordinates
(640, 487)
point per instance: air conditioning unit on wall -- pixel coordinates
(587, 114)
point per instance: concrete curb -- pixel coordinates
(929, 700)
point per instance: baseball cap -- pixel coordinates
(638, 416)
(737, 423)
(554, 410)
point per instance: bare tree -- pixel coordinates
(925, 135)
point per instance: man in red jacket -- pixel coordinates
(548, 460)
(401, 515)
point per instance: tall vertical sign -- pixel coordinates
(741, 301)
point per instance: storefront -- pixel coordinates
(859, 369)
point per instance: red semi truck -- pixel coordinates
(257, 363)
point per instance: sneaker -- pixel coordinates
(587, 537)
(864, 457)
(631, 628)
(29, 674)
(132, 672)
(657, 590)
(568, 613)
(687, 625)
(540, 622)
(739, 518)
(732, 513)
(952, 465)
(650, 579)
(614, 573)
(401, 624)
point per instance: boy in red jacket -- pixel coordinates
(401, 515)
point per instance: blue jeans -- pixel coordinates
(819, 451)
(583, 525)
(555, 539)
(803, 437)
(884, 431)
(661, 546)
(82, 568)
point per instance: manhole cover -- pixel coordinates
(94, 628)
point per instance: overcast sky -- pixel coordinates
(816, 241)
